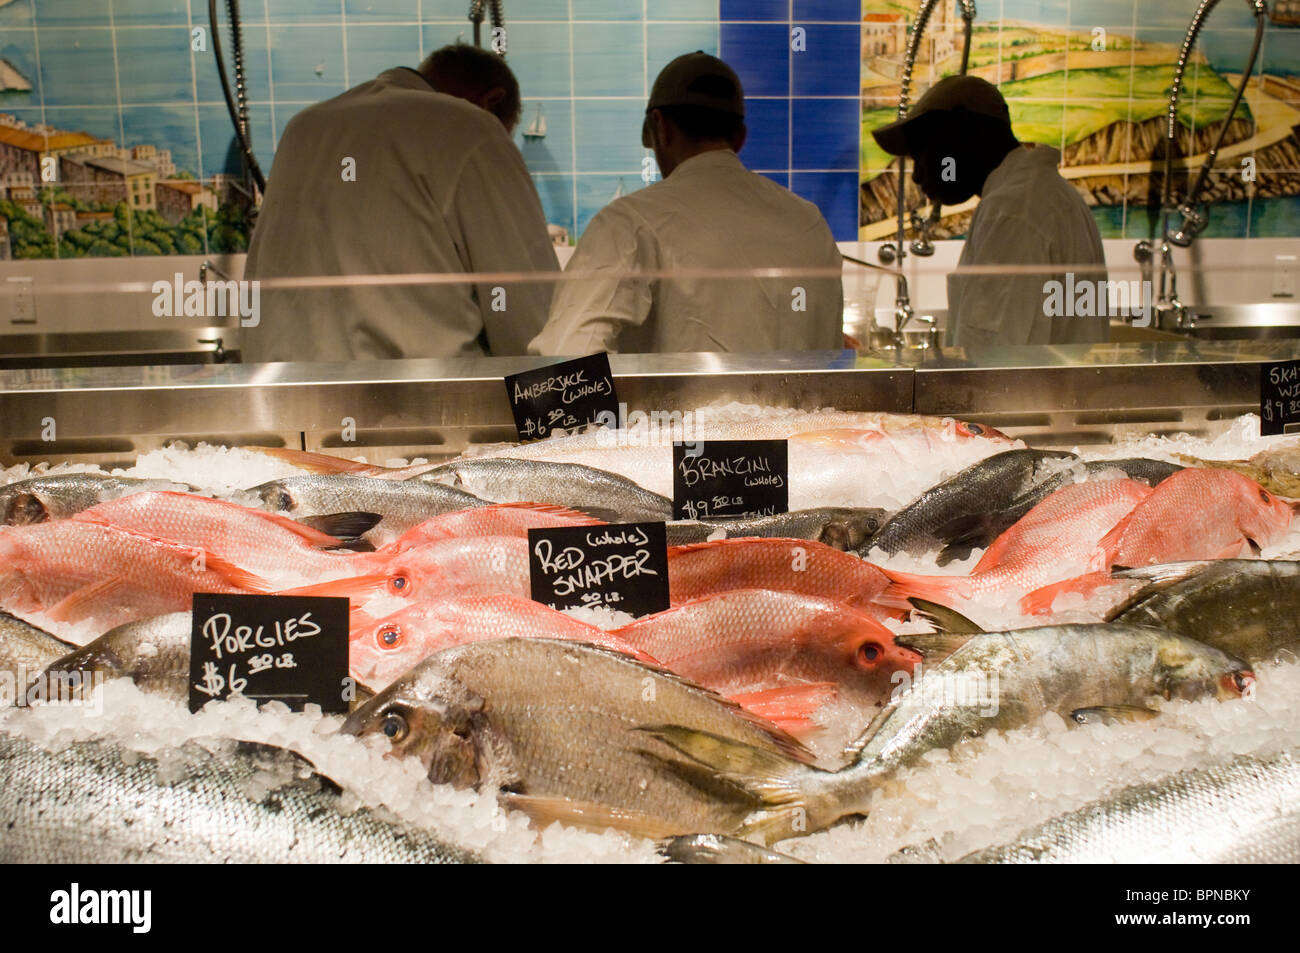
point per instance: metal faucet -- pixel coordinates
(208, 266)
(892, 252)
(1170, 312)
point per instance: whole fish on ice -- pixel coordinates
(42, 498)
(840, 527)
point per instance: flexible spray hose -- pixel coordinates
(238, 114)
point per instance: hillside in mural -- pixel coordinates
(1101, 98)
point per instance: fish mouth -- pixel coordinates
(25, 509)
(1239, 684)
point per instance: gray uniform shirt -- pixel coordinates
(439, 187)
(1028, 215)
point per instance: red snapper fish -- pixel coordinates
(499, 519)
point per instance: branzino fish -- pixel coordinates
(554, 723)
(840, 527)
(58, 497)
(1245, 607)
(1246, 811)
(1000, 680)
(401, 503)
(85, 804)
(606, 496)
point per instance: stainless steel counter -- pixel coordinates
(1050, 395)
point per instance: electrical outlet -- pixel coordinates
(23, 309)
(1284, 269)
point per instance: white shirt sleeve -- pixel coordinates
(589, 314)
(503, 226)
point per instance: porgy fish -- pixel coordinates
(58, 497)
(1246, 811)
(401, 503)
(154, 653)
(382, 649)
(1000, 680)
(554, 723)
(606, 496)
(840, 527)
(1245, 607)
(86, 804)
(25, 650)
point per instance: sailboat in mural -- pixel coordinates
(537, 128)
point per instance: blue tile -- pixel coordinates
(836, 194)
(374, 49)
(754, 10)
(250, 12)
(218, 151)
(72, 13)
(539, 57)
(829, 64)
(78, 69)
(608, 60)
(597, 191)
(437, 35)
(307, 62)
(554, 153)
(608, 135)
(151, 13)
(153, 65)
(768, 144)
(18, 49)
(304, 11)
(257, 75)
(95, 120)
(605, 10)
(379, 11)
(283, 113)
(556, 193)
(760, 55)
(837, 11)
(825, 133)
(667, 41)
(538, 10)
(780, 178)
(167, 127)
(683, 10)
(17, 17)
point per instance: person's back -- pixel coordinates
(393, 177)
(709, 213)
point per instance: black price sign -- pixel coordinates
(292, 649)
(717, 479)
(1279, 398)
(563, 396)
(622, 566)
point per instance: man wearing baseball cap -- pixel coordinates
(708, 212)
(959, 136)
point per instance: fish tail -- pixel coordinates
(1039, 602)
(786, 789)
(942, 590)
(790, 707)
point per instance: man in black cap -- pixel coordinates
(709, 212)
(959, 136)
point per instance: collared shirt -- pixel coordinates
(710, 212)
(393, 177)
(1027, 215)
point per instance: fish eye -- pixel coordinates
(394, 726)
(975, 430)
(389, 636)
(398, 583)
(1244, 682)
(1263, 495)
(870, 651)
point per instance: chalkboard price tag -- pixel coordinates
(622, 566)
(563, 396)
(292, 649)
(716, 479)
(1279, 398)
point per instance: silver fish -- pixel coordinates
(85, 804)
(58, 497)
(1246, 811)
(401, 503)
(841, 527)
(1246, 607)
(716, 849)
(25, 650)
(153, 652)
(604, 495)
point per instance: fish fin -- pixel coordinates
(769, 777)
(352, 587)
(234, 575)
(1162, 575)
(1108, 545)
(76, 605)
(553, 509)
(322, 463)
(1113, 714)
(718, 849)
(588, 815)
(964, 535)
(334, 528)
(791, 707)
(1039, 602)
(934, 646)
(942, 618)
(904, 585)
(600, 514)
(996, 551)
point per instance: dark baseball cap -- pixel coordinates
(698, 79)
(951, 93)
